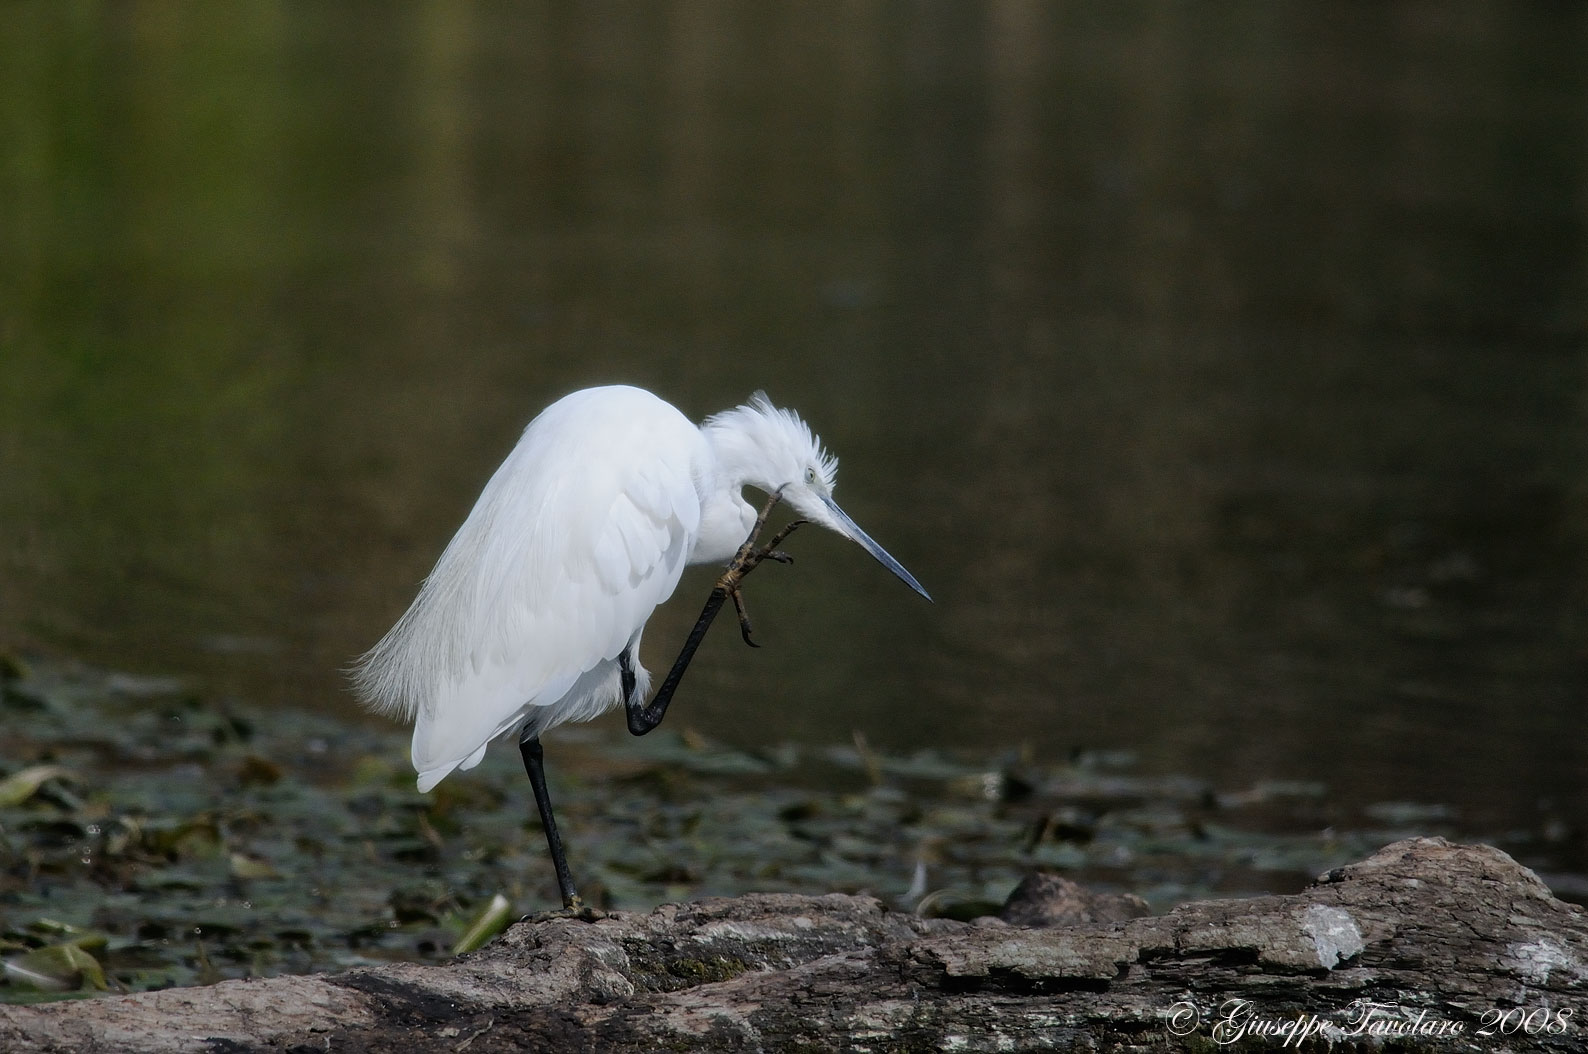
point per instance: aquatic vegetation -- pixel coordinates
(150, 836)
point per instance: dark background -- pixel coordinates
(1219, 369)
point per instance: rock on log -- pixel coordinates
(1432, 945)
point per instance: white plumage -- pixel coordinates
(578, 536)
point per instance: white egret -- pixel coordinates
(533, 615)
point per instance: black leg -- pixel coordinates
(626, 675)
(642, 718)
(534, 764)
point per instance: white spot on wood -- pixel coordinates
(1536, 960)
(1334, 934)
(740, 931)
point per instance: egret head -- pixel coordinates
(773, 449)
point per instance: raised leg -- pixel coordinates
(643, 718)
(534, 764)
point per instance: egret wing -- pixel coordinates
(574, 542)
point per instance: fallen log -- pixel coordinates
(1427, 944)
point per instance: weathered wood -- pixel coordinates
(1458, 934)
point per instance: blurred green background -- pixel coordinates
(1219, 369)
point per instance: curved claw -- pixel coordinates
(780, 556)
(744, 618)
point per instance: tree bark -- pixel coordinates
(1436, 946)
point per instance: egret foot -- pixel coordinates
(578, 910)
(748, 557)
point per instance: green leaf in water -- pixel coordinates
(59, 967)
(20, 786)
(83, 938)
(486, 925)
(245, 866)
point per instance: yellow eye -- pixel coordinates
(810, 475)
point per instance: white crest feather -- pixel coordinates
(758, 441)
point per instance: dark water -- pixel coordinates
(1220, 371)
